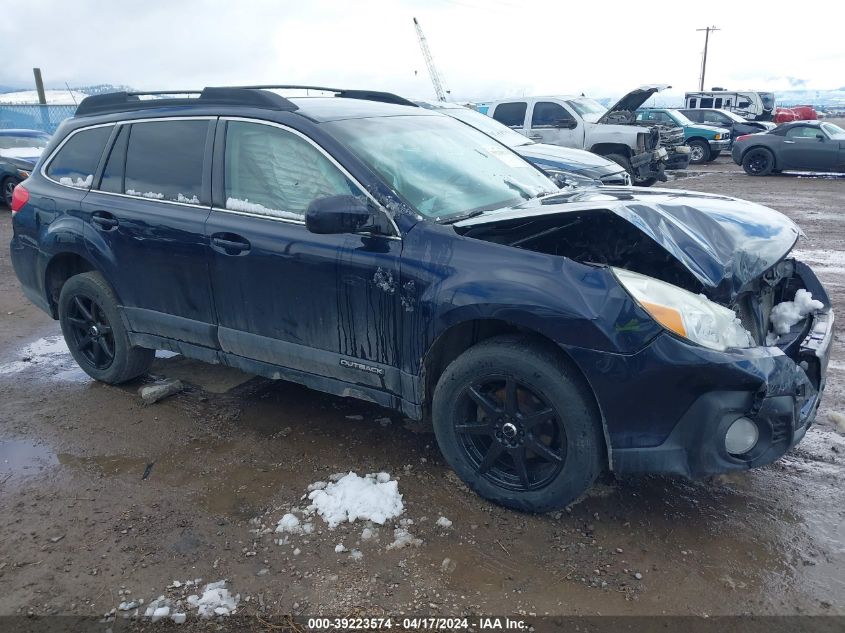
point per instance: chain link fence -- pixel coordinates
(34, 117)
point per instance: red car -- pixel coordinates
(796, 113)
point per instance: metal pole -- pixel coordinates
(704, 58)
(39, 86)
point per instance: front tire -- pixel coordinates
(714, 155)
(699, 152)
(518, 425)
(758, 162)
(95, 333)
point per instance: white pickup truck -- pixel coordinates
(583, 123)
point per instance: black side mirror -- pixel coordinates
(338, 214)
(820, 137)
(566, 124)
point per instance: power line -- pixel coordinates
(704, 58)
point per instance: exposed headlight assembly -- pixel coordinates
(689, 315)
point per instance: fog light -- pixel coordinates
(741, 437)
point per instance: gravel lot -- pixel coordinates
(81, 527)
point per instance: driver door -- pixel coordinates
(551, 123)
(324, 305)
(803, 150)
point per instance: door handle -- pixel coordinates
(104, 220)
(230, 244)
(790, 142)
(535, 137)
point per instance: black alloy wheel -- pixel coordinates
(91, 333)
(511, 434)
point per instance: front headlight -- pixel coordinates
(689, 315)
(718, 136)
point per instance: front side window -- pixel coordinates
(164, 160)
(75, 163)
(511, 114)
(803, 131)
(273, 172)
(692, 102)
(549, 114)
(706, 103)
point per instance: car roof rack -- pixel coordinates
(366, 95)
(130, 101)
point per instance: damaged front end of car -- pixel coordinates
(729, 383)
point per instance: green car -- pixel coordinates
(706, 142)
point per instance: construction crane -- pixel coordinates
(432, 71)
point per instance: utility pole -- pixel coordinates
(704, 58)
(39, 86)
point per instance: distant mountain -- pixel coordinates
(99, 89)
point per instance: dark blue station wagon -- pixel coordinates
(367, 248)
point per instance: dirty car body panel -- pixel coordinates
(370, 313)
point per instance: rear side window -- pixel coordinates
(77, 160)
(511, 114)
(164, 160)
(706, 103)
(273, 172)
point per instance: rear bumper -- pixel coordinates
(736, 154)
(27, 263)
(783, 407)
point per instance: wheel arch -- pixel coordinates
(776, 164)
(61, 267)
(459, 337)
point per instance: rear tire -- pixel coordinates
(94, 331)
(699, 152)
(758, 161)
(518, 424)
(9, 184)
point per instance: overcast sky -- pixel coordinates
(482, 48)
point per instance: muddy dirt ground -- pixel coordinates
(80, 526)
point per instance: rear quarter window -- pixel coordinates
(511, 114)
(76, 161)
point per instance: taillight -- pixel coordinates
(20, 196)
(739, 138)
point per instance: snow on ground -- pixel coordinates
(215, 600)
(786, 314)
(374, 497)
(822, 261)
(444, 522)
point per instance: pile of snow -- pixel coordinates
(161, 608)
(785, 315)
(78, 182)
(215, 600)
(186, 199)
(444, 522)
(374, 497)
(290, 524)
(53, 97)
(236, 204)
(149, 194)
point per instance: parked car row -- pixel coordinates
(364, 246)
(19, 151)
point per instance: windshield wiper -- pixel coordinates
(461, 216)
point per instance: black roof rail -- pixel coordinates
(366, 95)
(130, 101)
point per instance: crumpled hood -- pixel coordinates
(634, 99)
(576, 161)
(724, 242)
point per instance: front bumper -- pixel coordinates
(720, 146)
(783, 407)
(678, 157)
(649, 165)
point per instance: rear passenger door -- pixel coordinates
(324, 305)
(147, 216)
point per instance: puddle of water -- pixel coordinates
(20, 459)
(50, 357)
